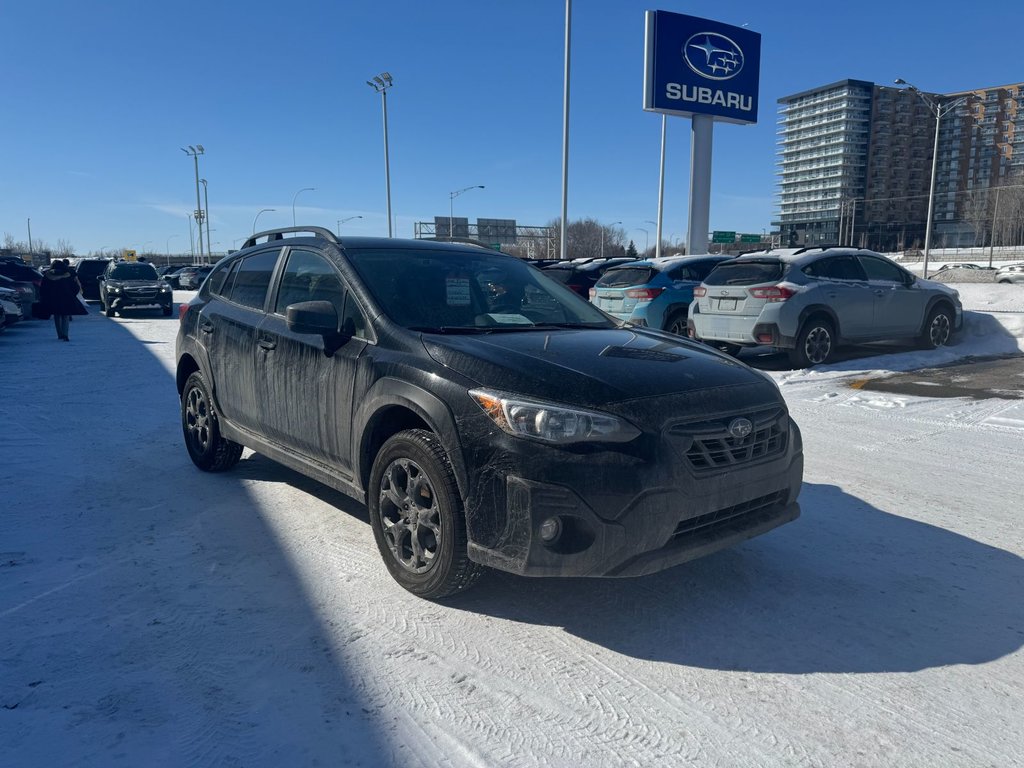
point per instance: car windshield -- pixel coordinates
(133, 272)
(746, 273)
(623, 276)
(437, 290)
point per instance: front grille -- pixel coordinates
(712, 446)
(728, 516)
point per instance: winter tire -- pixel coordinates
(167, 311)
(814, 344)
(206, 447)
(677, 324)
(108, 310)
(938, 328)
(417, 516)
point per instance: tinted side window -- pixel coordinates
(308, 276)
(218, 280)
(352, 319)
(881, 270)
(836, 268)
(252, 279)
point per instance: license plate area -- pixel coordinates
(727, 305)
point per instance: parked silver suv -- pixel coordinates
(1011, 273)
(809, 300)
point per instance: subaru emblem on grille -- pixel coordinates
(740, 428)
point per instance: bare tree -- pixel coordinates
(64, 249)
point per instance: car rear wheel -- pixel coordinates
(937, 329)
(417, 516)
(207, 448)
(677, 324)
(815, 343)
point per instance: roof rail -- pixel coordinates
(278, 234)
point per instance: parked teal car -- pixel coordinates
(655, 293)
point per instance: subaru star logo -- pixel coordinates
(740, 428)
(713, 56)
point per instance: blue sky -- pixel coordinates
(98, 99)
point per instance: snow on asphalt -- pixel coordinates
(151, 614)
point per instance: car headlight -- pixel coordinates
(165, 287)
(551, 422)
(113, 288)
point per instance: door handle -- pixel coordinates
(206, 327)
(267, 344)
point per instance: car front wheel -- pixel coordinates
(207, 448)
(937, 329)
(417, 516)
(814, 345)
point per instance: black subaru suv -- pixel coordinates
(485, 414)
(126, 284)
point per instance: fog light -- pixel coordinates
(550, 529)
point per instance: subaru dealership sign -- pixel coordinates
(700, 67)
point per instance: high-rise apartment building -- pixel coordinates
(855, 164)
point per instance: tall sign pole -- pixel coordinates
(709, 72)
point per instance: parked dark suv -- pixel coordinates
(89, 273)
(485, 414)
(133, 284)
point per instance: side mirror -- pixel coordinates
(313, 317)
(320, 318)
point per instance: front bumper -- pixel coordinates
(622, 515)
(123, 300)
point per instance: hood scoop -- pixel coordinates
(650, 355)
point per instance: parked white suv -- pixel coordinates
(809, 300)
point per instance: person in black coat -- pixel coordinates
(59, 296)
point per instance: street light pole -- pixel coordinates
(380, 84)
(257, 217)
(167, 249)
(206, 205)
(602, 236)
(195, 152)
(940, 111)
(30, 237)
(191, 238)
(647, 238)
(451, 207)
(304, 189)
(342, 221)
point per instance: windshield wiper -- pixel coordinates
(448, 329)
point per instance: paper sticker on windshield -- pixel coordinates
(509, 319)
(457, 291)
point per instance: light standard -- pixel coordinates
(940, 111)
(304, 189)
(257, 217)
(194, 153)
(451, 206)
(206, 205)
(380, 84)
(167, 248)
(191, 237)
(342, 221)
(647, 238)
(657, 238)
(602, 236)
(29, 222)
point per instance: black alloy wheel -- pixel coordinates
(814, 345)
(206, 447)
(417, 516)
(938, 328)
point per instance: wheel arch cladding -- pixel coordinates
(187, 365)
(393, 406)
(820, 310)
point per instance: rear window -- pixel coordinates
(746, 273)
(624, 276)
(561, 275)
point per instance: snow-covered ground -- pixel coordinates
(154, 615)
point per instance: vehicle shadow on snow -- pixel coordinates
(845, 588)
(150, 608)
